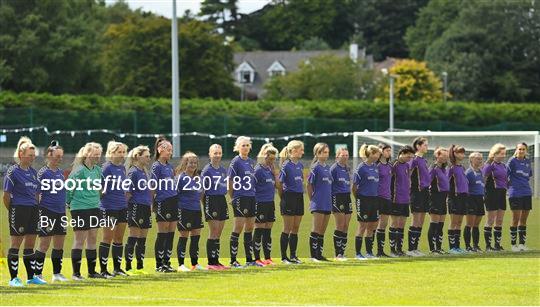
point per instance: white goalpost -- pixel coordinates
(480, 141)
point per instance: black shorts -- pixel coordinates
(420, 201)
(321, 212)
(399, 210)
(341, 203)
(385, 206)
(367, 208)
(292, 203)
(23, 220)
(265, 212)
(189, 219)
(121, 215)
(520, 203)
(86, 219)
(438, 203)
(167, 210)
(457, 204)
(215, 208)
(475, 205)
(496, 200)
(139, 216)
(51, 223)
(244, 206)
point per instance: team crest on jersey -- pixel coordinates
(261, 216)
(21, 229)
(341, 207)
(188, 225)
(49, 229)
(365, 216)
(214, 214)
(168, 215)
(245, 211)
(141, 221)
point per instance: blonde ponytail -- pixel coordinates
(23, 144)
(134, 155)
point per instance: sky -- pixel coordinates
(164, 7)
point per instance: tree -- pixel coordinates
(414, 82)
(224, 13)
(323, 77)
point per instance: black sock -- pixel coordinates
(313, 245)
(169, 248)
(497, 235)
(475, 236)
(103, 255)
(522, 230)
(432, 236)
(257, 243)
(40, 261)
(194, 249)
(369, 244)
(57, 256)
(440, 235)
(487, 236)
(458, 238)
(284, 243)
(411, 238)
(140, 250)
(76, 256)
(267, 243)
(467, 236)
(248, 246)
(129, 250)
(380, 241)
(321, 245)
(401, 236)
(210, 251)
(344, 241)
(392, 238)
(451, 239)
(293, 244)
(91, 257)
(358, 244)
(337, 242)
(159, 249)
(417, 236)
(218, 248)
(234, 246)
(513, 235)
(13, 262)
(29, 262)
(181, 249)
(117, 249)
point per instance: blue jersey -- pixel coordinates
(140, 193)
(189, 192)
(341, 179)
(265, 186)
(321, 182)
(52, 200)
(519, 173)
(366, 179)
(292, 176)
(114, 196)
(217, 177)
(164, 175)
(242, 176)
(475, 180)
(22, 184)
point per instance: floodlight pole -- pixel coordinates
(175, 85)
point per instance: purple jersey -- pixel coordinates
(56, 201)
(496, 175)
(439, 179)
(217, 177)
(321, 182)
(265, 184)
(401, 183)
(366, 179)
(519, 172)
(114, 197)
(476, 181)
(420, 178)
(341, 179)
(22, 184)
(458, 180)
(189, 192)
(242, 175)
(385, 176)
(164, 175)
(140, 193)
(292, 176)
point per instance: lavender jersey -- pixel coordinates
(476, 181)
(140, 193)
(164, 175)
(385, 177)
(496, 175)
(114, 197)
(341, 179)
(401, 183)
(217, 177)
(420, 178)
(242, 172)
(366, 179)
(439, 179)
(189, 192)
(321, 181)
(458, 180)
(265, 184)
(22, 184)
(55, 202)
(292, 176)
(519, 172)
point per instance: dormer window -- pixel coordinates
(276, 69)
(245, 73)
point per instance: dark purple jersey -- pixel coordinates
(217, 177)
(53, 197)
(496, 175)
(341, 179)
(292, 176)
(519, 173)
(163, 174)
(476, 181)
(321, 182)
(439, 179)
(401, 183)
(140, 193)
(385, 177)
(242, 175)
(420, 178)
(366, 179)
(458, 180)
(22, 184)
(265, 184)
(189, 192)
(113, 196)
